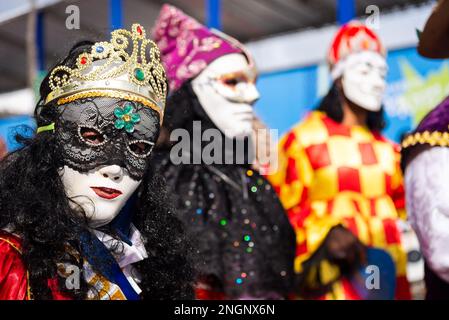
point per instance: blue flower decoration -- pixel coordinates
(126, 118)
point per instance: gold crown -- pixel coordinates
(127, 67)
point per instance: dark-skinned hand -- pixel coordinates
(345, 249)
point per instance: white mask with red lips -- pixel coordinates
(363, 79)
(226, 90)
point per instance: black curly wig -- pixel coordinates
(34, 205)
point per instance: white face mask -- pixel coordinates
(363, 79)
(226, 90)
(101, 192)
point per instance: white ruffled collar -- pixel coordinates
(128, 254)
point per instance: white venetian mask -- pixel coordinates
(363, 79)
(226, 90)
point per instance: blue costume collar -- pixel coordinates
(101, 259)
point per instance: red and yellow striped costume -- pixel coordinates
(331, 174)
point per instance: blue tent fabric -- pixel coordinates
(10, 126)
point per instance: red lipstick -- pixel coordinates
(106, 193)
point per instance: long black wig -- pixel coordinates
(34, 205)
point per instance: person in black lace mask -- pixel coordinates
(81, 194)
(93, 149)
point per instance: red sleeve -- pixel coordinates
(13, 274)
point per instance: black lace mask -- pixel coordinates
(104, 131)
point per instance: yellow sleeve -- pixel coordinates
(292, 181)
(293, 174)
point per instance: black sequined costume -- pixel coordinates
(244, 241)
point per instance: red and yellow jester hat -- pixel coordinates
(351, 38)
